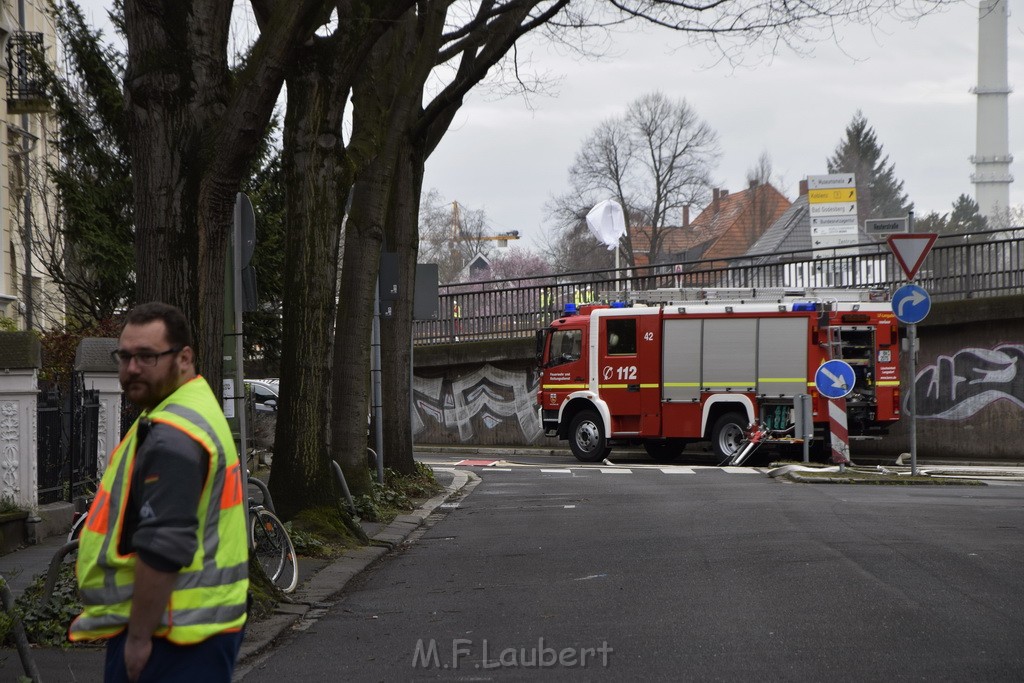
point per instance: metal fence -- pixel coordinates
(66, 440)
(980, 264)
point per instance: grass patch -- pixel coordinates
(320, 532)
(396, 495)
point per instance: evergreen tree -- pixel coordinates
(933, 222)
(966, 217)
(266, 190)
(88, 244)
(93, 261)
(879, 193)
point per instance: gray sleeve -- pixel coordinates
(170, 470)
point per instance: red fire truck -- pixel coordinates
(669, 367)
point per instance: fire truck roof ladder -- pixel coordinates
(749, 295)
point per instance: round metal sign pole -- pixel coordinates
(911, 395)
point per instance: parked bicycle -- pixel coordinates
(268, 539)
(270, 542)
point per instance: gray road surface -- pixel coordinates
(693, 574)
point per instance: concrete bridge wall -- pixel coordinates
(970, 388)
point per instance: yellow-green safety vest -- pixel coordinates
(210, 594)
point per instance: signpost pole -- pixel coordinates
(911, 397)
(910, 304)
(912, 366)
(803, 421)
(375, 376)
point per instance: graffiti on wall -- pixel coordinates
(958, 386)
(488, 395)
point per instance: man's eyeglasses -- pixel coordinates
(144, 358)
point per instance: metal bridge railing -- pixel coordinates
(980, 264)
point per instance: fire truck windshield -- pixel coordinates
(566, 347)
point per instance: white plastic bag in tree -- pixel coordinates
(607, 223)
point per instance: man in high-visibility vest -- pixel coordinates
(163, 558)
(456, 319)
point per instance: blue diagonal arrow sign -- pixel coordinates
(834, 379)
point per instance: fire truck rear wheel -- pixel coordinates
(728, 435)
(586, 437)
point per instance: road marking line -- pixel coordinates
(617, 470)
(569, 507)
(499, 469)
(677, 470)
(739, 470)
(556, 471)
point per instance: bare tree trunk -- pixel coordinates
(360, 264)
(319, 172)
(194, 131)
(317, 189)
(420, 133)
(179, 252)
(382, 104)
(396, 331)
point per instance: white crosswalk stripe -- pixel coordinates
(677, 470)
(615, 470)
(550, 471)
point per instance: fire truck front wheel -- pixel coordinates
(728, 435)
(586, 437)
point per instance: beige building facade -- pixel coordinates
(28, 204)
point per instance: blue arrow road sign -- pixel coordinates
(834, 379)
(911, 304)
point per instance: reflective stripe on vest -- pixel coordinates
(183, 618)
(210, 594)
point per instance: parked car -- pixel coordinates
(265, 394)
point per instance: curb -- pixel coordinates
(314, 595)
(792, 473)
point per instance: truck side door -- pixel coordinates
(565, 368)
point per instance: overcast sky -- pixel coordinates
(911, 81)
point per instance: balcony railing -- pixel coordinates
(967, 266)
(26, 89)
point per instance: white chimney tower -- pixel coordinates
(992, 157)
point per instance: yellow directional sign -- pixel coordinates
(846, 194)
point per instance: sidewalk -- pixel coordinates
(78, 664)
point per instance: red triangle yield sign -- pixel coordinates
(911, 250)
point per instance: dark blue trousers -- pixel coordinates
(211, 661)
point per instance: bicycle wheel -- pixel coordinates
(76, 528)
(274, 550)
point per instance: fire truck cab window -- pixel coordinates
(621, 337)
(566, 346)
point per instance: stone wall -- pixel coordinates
(970, 387)
(480, 393)
(969, 384)
(20, 360)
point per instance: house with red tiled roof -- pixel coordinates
(725, 229)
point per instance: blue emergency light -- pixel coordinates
(618, 304)
(570, 309)
(805, 306)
